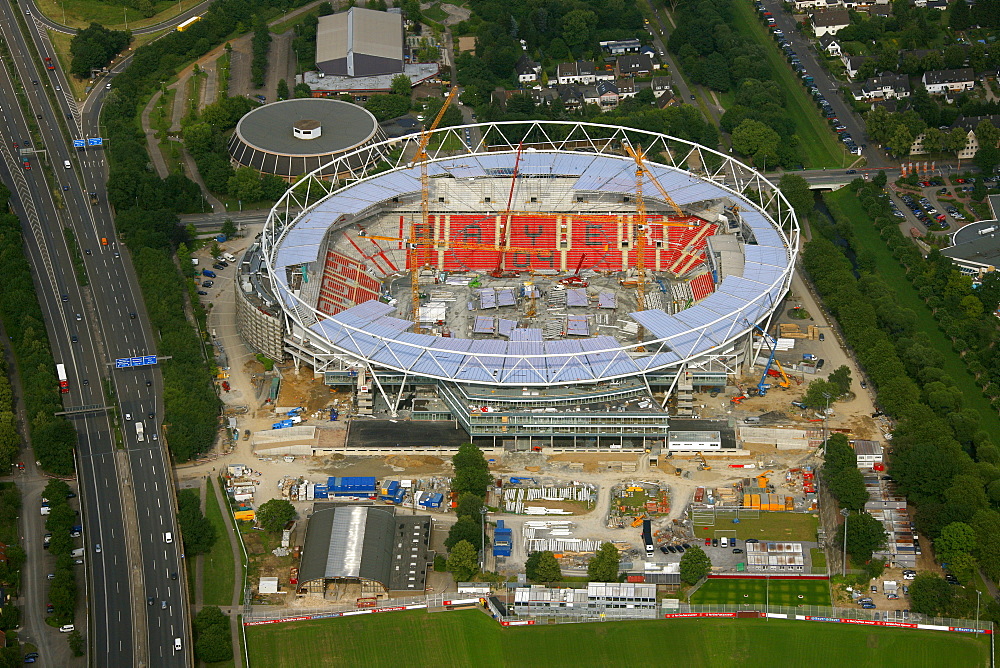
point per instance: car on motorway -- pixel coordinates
(149, 600)
(173, 576)
(79, 317)
(128, 417)
(149, 383)
(151, 416)
(131, 316)
(852, 171)
(98, 548)
(86, 382)
(65, 298)
(74, 339)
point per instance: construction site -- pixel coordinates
(538, 295)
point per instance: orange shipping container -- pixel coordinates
(245, 515)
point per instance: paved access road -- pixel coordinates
(126, 492)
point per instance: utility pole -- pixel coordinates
(482, 517)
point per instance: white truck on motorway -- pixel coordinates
(139, 432)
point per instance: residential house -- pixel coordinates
(607, 95)
(967, 123)
(527, 69)
(939, 5)
(580, 72)
(830, 22)
(618, 47)
(830, 46)
(574, 97)
(660, 86)
(635, 64)
(949, 81)
(606, 73)
(668, 100)
(886, 86)
(852, 64)
(544, 95)
(626, 88)
(802, 5)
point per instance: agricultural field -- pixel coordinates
(470, 638)
(739, 591)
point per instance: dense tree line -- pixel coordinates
(95, 47)
(841, 474)
(471, 480)
(260, 44)
(205, 139)
(197, 532)
(60, 522)
(942, 460)
(52, 438)
(10, 535)
(712, 52)
(191, 401)
(10, 440)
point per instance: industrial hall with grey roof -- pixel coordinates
(360, 43)
(356, 551)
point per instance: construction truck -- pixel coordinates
(702, 464)
(93, 198)
(638, 521)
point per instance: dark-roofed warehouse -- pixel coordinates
(362, 551)
(294, 137)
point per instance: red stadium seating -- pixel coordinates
(346, 283)
(702, 286)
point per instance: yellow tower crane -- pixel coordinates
(422, 159)
(637, 154)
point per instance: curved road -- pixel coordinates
(197, 10)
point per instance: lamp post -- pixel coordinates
(846, 513)
(978, 594)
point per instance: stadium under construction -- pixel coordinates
(550, 285)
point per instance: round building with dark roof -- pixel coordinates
(295, 137)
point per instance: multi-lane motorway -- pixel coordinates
(136, 609)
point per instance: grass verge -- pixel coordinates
(74, 251)
(845, 203)
(470, 638)
(218, 588)
(769, 526)
(81, 13)
(819, 146)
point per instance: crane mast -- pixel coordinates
(422, 159)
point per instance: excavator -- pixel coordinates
(575, 281)
(784, 383)
(763, 480)
(702, 464)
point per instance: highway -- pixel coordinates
(197, 10)
(126, 492)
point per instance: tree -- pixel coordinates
(841, 379)
(400, 85)
(215, 251)
(959, 17)
(384, 107)
(244, 184)
(542, 567)
(212, 637)
(75, 642)
(273, 515)
(466, 528)
(302, 90)
(198, 533)
(471, 471)
(865, 534)
(695, 565)
(930, 594)
(956, 538)
(900, 141)
(229, 228)
(603, 567)
(796, 190)
(282, 90)
(957, 139)
(469, 505)
(95, 47)
(987, 158)
(463, 561)
(820, 393)
(754, 139)
(880, 179)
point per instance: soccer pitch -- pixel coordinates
(738, 591)
(470, 638)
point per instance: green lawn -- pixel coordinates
(218, 568)
(819, 145)
(770, 526)
(470, 638)
(81, 13)
(737, 591)
(892, 273)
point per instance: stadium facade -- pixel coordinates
(531, 331)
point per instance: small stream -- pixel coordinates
(834, 236)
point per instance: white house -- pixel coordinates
(830, 22)
(949, 81)
(660, 85)
(852, 64)
(580, 72)
(527, 70)
(887, 86)
(830, 45)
